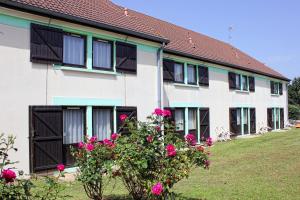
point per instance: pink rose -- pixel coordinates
(209, 141)
(81, 145)
(158, 128)
(158, 112)
(60, 167)
(108, 143)
(123, 117)
(89, 147)
(149, 138)
(93, 139)
(172, 153)
(167, 113)
(170, 147)
(114, 136)
(8, 175)
(157, 189)
(190, 139)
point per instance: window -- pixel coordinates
(242, 120)
(126, 57)
(192, 119)
(74, 50)
(191, 70)
(238, 117)
(178, 73)
(276, 88)
(102, 54)
(102, 123)
(179, 119)
(245, 83)
(73, 130)
(238, 82)
(203, 75)
(245, 121)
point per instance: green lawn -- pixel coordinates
(265, 167)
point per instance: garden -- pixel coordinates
(155, 163)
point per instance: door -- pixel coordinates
(245, 121)
(270, 118)
(252, 121)
(46, 137)
(235, 121)
(204, 124)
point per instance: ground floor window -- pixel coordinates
(242, 121)
(102, 122)
(275, 118)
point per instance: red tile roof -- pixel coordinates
(181, 41)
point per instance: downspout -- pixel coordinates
(159, 77)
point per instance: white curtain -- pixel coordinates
(245, 116)
(191, 74)
(244, 82)
(73, 50)
(238, 116)
(179, 119)
(73, 122)
(102, 121)
(102, 54)
(238, 81)
(192, 119)
(178, 72)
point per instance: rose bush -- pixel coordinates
(153, 157)
(93, 159)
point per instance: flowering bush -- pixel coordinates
(152, 158)
(94, 159)
(12, 188)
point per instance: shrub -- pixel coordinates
(93, 159)
(151, 160)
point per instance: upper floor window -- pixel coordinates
(74, 50)
(276, 88)
(126, 57)
(178, 72)
(102, 54)
(203, 75)
(241, 82)
(191, 74)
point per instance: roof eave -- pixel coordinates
(224, 64)
(48, 13)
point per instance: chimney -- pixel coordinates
(126, 12)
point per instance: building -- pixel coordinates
(70, 69)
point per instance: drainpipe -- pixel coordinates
(159, 77)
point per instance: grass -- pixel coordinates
(265, 167)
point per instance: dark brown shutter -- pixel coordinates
(234, 128)
(281, 118)
(131, 112)
(280, 88)
(204, 124)
(46, 137)
(269, 118)
(252, 120)
(232, 80)
(46, 44)
(126, 57)
(272, 87)
(203, 75)
(251, 84)
(168, 69)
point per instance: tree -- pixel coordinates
(294, 98)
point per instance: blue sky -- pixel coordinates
(268, 30)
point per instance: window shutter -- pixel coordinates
(252, 120)
(281, 118)
(168, 68)
(46, 44)
(269, 118)
(280, 89)
(131, 112)
(204, 124)
(203, 75)
(272, 87)
(251, 84)
(126, 57)
(233, 120)
(232, 80)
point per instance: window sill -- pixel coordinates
(67, 68)
(275, 95)
(243, 91)
(186, 85)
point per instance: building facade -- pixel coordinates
(63, 79)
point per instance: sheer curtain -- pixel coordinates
(245, 116)
(73, 122)
(191, 74)
(102, 119)
(192, 119)
(238, 116)
(179, 120)
(73, 50)
(178, 72)
(102, 54)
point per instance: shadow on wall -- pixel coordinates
(14, 37)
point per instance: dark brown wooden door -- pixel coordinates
(252, 121)
(46, 137)
(281, 118)
(270, 118)
(204, 124)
